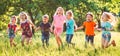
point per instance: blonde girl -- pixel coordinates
(58, 22)
(25, 25)
(106, 25)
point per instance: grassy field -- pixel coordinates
(36, 48)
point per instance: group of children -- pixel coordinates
(57, 25)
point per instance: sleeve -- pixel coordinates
(84, 24)
(94, 24)
(49, 25)
(8, 25)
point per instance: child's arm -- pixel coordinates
(7, 30)
(38, 28)
(51, 28)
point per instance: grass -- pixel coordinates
(36, 48)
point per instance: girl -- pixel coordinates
(58, 22)
(70, 23)
(107, 18)
(89, 26)
(12, 29)
(25, 24)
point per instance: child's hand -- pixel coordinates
(76, 30)
(99, 29)
(51, 30)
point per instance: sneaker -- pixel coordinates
(113, 43)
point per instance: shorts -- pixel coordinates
(106, 37)
(58, 31)
(11, 35)
(89, 38)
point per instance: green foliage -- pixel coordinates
(37, 8)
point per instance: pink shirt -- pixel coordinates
(59, 20)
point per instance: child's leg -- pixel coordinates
(47, 41)
(71, 36)
(67, 36)
(23, 39)
(102, 42)
(107, 44)
(11, 41)
(92, 40)
(86, 41)
(29, 40)
(42, 39)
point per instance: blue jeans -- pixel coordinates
(106, 37)
(69, 38)
(45, 39)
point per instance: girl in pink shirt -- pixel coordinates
(58, 22)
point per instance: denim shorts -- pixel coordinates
(106, 37)
(89, 38)
(11, 35)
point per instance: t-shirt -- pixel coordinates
(70, 26)
(105, 26)
(59, 20)
(89, 27)
(12, 28)
(45, 28)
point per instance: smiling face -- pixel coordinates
(68, 15)
(23, 16)
(89, 17)
(60, 11)
(13, 19)
(45, 20)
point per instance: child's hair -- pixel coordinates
(70, 13)
(45, 16)
(58, 9)
(26, 16)
(89, 13)
(14, 18)
(109, 16)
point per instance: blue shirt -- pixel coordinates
(105, 26)
(70, 26)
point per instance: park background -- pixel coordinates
(37, 8)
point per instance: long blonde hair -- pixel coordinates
(58, 9)
(110, 17)
(26, 17)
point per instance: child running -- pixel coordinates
(11, 30)
(89, 25)
(70, 23)
(106, 28)
(58, 22)
(25, 24)
(45, 29)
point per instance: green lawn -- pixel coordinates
(36, 48)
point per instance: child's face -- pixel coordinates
(45, 20)
(68, 16)
(89, 18)
(22, 16)
(60, 11)
(104, 19)
(13, 20)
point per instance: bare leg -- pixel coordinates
(102, 43)
(23, 39)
